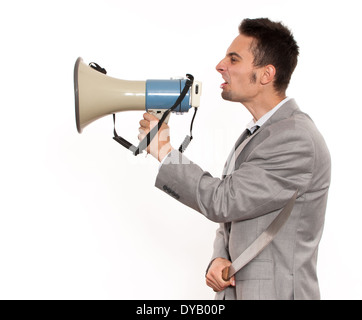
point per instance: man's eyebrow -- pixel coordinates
(230, 54)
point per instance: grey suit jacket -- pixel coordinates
(287, 153)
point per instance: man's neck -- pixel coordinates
(263, 105)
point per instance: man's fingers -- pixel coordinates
(144, 123)
(213, 285)
(143, 130)
(148, 122)
(160, 145)
(232, 281)
(217, 285)
(149, 117)
(214, 275)
(215, 281)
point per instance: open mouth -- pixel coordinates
(223, 85)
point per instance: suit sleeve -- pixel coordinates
(263, 183)
(220, 250)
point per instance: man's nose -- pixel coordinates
(221, 66)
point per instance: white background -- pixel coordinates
(80, 217)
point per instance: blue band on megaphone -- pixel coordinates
(162, 94)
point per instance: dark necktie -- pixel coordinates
(253, 130)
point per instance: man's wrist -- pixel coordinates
(164, 152)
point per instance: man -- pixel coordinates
(280, 152)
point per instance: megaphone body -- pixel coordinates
(98, 95)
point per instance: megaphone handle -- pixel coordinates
(144, 143)
(149, 137)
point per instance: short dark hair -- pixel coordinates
(274, 44)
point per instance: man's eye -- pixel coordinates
(233, 59)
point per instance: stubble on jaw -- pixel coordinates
(227, 95)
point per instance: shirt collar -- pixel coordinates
(251, 126)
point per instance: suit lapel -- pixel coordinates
(230, 167)
(244, 144)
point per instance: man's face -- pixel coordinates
(238, 71)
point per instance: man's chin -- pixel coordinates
(226, 95)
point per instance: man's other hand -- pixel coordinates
(214, 275)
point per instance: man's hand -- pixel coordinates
(160, 146)
(214, 276)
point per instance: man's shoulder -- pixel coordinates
(290, 118)
(295, 128)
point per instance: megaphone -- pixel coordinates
(98, 95)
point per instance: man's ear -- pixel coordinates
(268, 74)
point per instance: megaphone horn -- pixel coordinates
(98, 95)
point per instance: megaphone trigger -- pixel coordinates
(159, 114)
